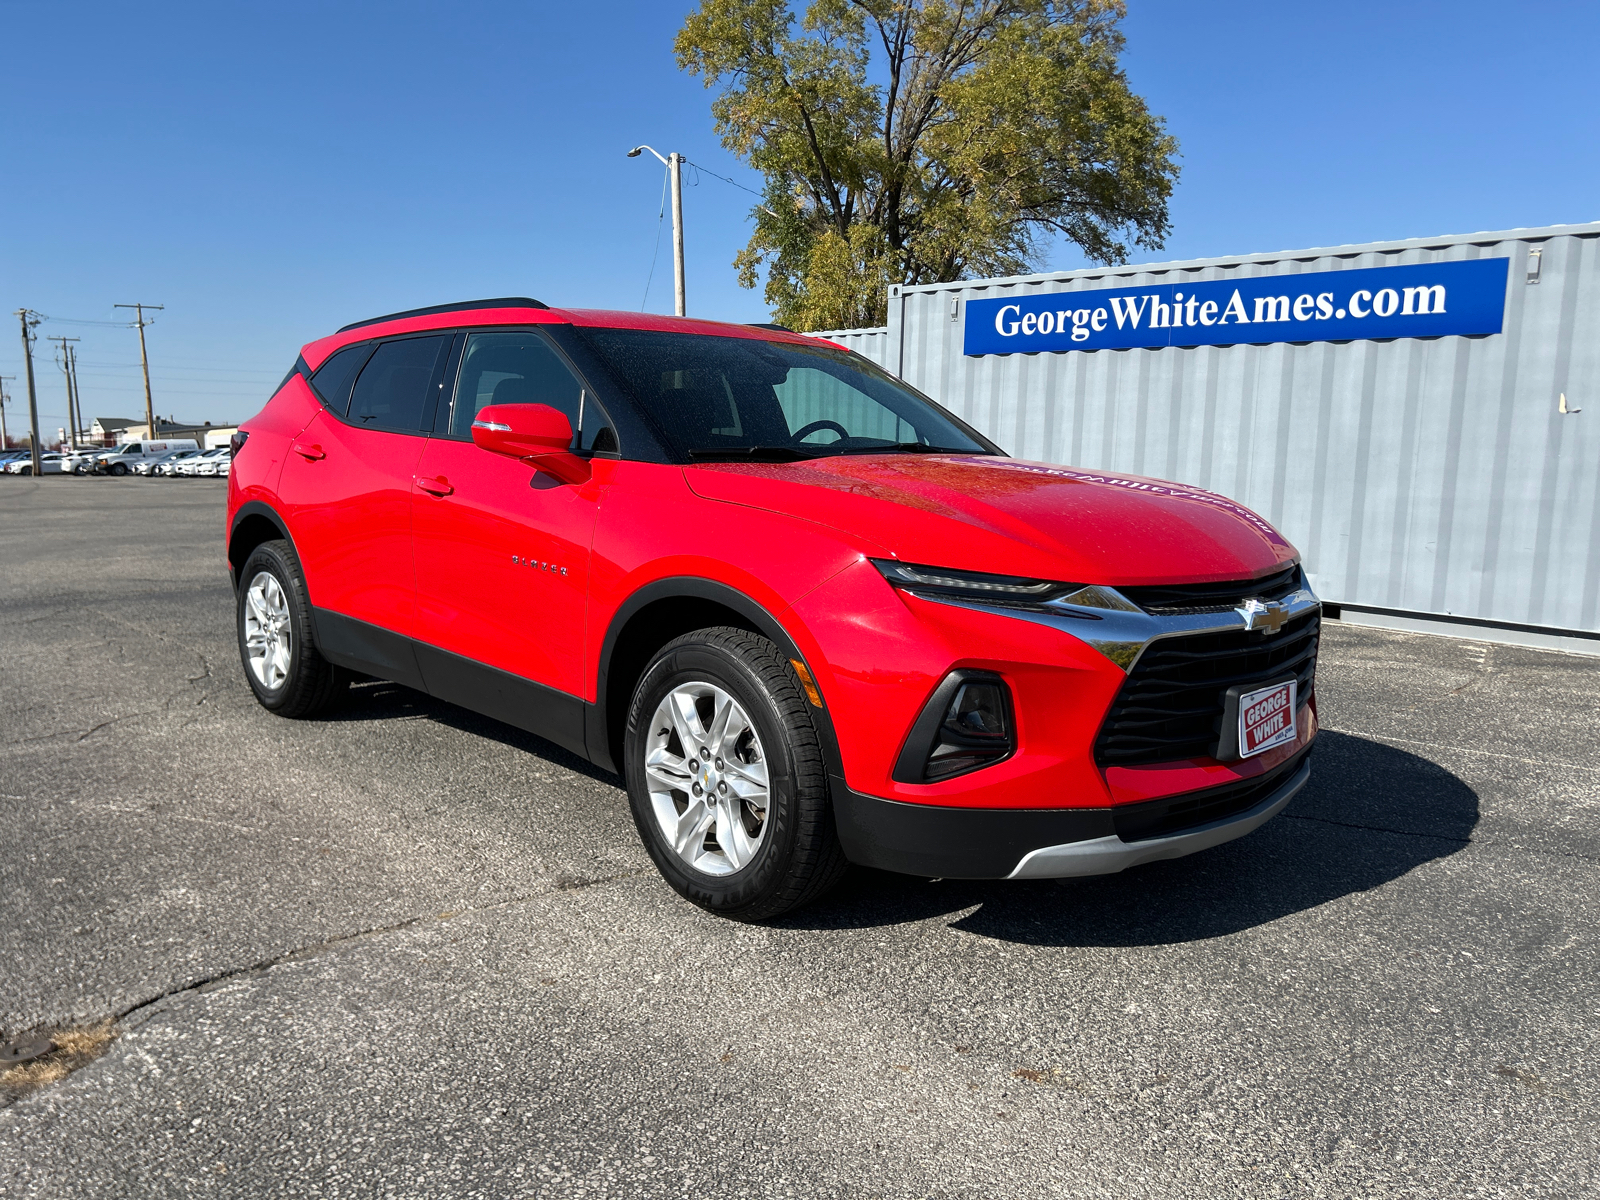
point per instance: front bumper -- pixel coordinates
(945, 842)
(1108, 855)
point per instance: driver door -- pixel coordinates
(502, 551)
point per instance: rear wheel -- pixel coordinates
(281, 663)
(726, 778)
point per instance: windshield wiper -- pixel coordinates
(750, 454)
(909, 448)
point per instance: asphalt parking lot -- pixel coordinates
(411, 952)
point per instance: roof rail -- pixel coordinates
(501, 302)
(768, 325)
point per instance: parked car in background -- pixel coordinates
(156, 466)
(810, 616)
(170, 466)
(131, 454)
(49, 464)
(195, 465)
(82, 461)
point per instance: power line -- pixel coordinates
(725, 179)
(272, 371)
(107, 324)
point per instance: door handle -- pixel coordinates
(308, 452)
(435, 487)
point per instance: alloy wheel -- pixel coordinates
(707, 777)
(267, 630)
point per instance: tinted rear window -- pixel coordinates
(334, 377)
(392, 391)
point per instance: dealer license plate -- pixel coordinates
(1266, 718)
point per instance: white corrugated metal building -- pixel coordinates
(1448, 482)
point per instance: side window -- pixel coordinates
(392, 391)
(523, 368)
(333, 378)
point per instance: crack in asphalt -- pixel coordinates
(149, 1006)
(301, 953)
(177, 694)
(1438, 837)
(83, 734)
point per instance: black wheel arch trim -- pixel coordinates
(254, 508)
(693, 587)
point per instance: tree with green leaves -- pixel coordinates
(924, 141)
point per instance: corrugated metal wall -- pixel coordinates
(1432, 476)
(873, 343)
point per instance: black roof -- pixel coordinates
(501, 302)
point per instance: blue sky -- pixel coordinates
(271, 172)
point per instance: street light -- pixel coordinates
(674, 164)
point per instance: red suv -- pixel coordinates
(811, 617)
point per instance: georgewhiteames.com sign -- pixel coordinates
(1430, 300)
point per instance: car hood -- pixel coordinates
(1012, 517)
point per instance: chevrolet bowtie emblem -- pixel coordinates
(1263, 616)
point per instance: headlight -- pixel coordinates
(1007, 591)
(973, 585)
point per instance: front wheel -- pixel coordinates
(119, 469)
(726, 777)
(285, 670)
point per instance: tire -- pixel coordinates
(297, 682)
(80, 469)
(26, 471)
(793, 854)
(119, 469)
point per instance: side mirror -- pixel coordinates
(536, 433)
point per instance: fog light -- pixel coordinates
(966, 724)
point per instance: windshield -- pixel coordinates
(746, 399)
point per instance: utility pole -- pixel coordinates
(674, 164)
(29, 319)
(5, 438)
(66, 369)
(144, 359)
(75, 399)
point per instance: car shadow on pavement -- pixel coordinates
(1370, 814)
(380, 700)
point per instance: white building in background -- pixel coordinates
(108, 428)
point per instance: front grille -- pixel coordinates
(1180, 598)
(1174, 814)
(1170, 706)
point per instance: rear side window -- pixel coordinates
(392, 391)
(334, 377)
